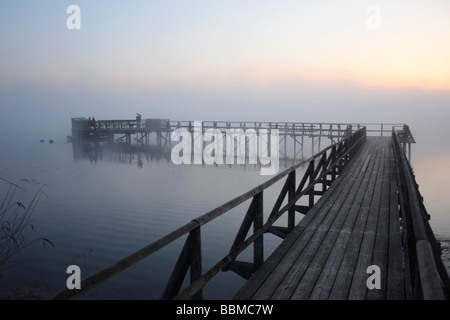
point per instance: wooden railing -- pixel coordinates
(322, 169)
(426, 276)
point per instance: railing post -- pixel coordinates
(333, 159)
(291, 195)
(258, 245)
(196, 260)
(190, 258)
(324, 167)
(253, 216)
(311, 184)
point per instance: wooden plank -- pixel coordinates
(251, 286)
(310, 224)
(358, 288)
(429, 277)
(299, 262)
(344, 276)
(355, 224)
(280, 256)
(380, 251)
(254, 283)
(327, 276)
(308, 281)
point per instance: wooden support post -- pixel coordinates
(303, 140)
(178, 273)
(258, 245)
(320, 137)
(190, 258)
(295, 147)
(196, 260)
(291, 195)
(333, 159)
(285, 140)
(311, 184)
(158, 138)
(409, 152)
(253, 216)
(324, 178)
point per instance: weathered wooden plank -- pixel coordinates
(311, 237)
(328, 273)
(344, 276)
(282, 266)
(429, 277)
(358, 288)
(314, 270)
(242, 268)
(250, 287)
(355, 224)
(273, 260)
(380, 251)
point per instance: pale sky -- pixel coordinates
(151, 43)
(371, 61)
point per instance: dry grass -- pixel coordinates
(15, 219)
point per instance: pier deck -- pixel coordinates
(353, 226)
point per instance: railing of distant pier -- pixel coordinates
(322, 170)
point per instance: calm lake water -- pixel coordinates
(97, 211)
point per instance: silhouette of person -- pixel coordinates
(138, 119)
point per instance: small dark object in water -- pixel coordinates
(50, 141)
(42, 140)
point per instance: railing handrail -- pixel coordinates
(137, 256)
(339, 127)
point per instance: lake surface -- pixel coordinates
(97, 210)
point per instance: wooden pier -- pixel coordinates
(363, 232)
(353, 226)
(294, 136)
(297, 140)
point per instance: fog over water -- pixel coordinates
(269, 61)
(100, 211)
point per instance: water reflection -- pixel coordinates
(137, 154)
(118, 152)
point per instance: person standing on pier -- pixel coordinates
(138, 119)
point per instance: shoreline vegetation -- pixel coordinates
(15, 224)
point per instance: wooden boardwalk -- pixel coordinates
(369, 223)
(353, 226)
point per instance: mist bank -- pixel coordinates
(38, 110)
